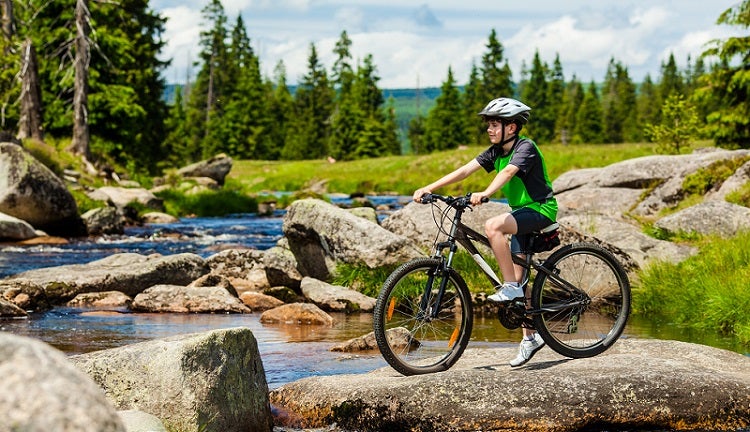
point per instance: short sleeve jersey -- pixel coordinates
(530, 187)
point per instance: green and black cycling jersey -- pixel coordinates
(530, 187)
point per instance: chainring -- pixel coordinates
(511, 316)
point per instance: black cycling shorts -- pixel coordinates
(528, 221)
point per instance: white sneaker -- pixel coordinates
(506, 293)
(527, 350)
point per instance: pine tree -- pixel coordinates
(314, 104)
(727, 88)
(474, 101)
(535, 94)
(588, 126)
(671, 80)
(125, 107)
(280, 112)
(210, 85)
(445, 127)
(618, 102)
(571, 104)
(556, 96)
(347, 121)
(496, 73)
(648, 103)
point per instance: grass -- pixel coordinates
(404, 174)
(708, 291)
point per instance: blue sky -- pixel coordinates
(414, 43)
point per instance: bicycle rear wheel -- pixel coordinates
(417, 333)
(586, 321)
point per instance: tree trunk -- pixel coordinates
(8, 23)
(30, 123)
(80, 143)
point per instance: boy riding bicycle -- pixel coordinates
(522, 176)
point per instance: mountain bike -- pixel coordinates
(579, 300)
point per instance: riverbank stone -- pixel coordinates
(40, 391)
(129, 273)
(209, 382)
(638, 384)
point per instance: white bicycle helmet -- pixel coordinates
(507, 109)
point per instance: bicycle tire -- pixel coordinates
(583, 330)
(410, 342)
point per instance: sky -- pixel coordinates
(414, 43)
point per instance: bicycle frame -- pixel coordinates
(466, 236)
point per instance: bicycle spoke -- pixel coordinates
(585, 321)
(438, 334)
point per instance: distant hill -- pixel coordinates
(407, 102)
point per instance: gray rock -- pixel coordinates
(209, 382)
(104, 220)
(733, 183)
(120, 197)
(216, 168)
(631, 244)
(334, 298)
(180, 299)
(322, 235)
(33, 193)
(235, 263)
(710, 217)
(281, 267)
(41, 391)
(128, 273)
(12, 228)
(635, 385)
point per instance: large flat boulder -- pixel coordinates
(208, 382)
(128, 273)
(637, 384)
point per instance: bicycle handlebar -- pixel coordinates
(455, 202)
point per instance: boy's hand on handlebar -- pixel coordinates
(419, 193)
(478, 198)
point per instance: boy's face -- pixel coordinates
(495, 130)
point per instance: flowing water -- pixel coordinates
(289, 352)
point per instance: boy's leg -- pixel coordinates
(497, 228)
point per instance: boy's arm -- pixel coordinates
(454, 177)
(499, 181)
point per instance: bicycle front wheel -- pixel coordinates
(422, 318)
(582, 306)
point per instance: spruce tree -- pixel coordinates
(280, 112)
(571, 104)
(556, 96)
(496, 73)
(726, 88)
(211, 85)
(618, 103)
(588, 126)
(314, 104)
(445, 127)
(648, 104)
(535, 94)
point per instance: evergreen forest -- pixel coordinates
(89, 71)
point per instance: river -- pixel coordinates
(289, 352)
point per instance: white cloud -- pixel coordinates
(413, 41)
